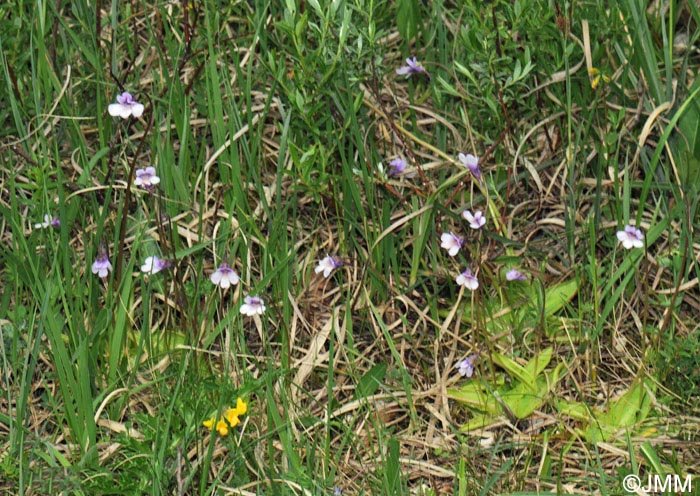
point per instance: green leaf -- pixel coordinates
(575, 410)
(370, 382)
(392, 468)
(317, 8)
(479, 421)
(539, 362)
(515, 370)
(645, 52)
(475, 396)
(407, 18)
(685, 142)
(556, 297)
(689, 123)
(653, 458)
(624, 413)
(522, 402)
(628, 409)
(301, 25)
(448, 87)
(559, 295)
(344, 30)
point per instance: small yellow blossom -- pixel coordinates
(596, 77)
(241, 406)
(230, 419)
(222, 427)
(232, 414)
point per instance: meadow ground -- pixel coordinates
(322, 315)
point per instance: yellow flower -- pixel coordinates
(233, 413)
(230, 418)
(596, 77)
(241, 406)
(222, 427)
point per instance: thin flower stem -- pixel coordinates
(379, 108)
(683, 268)
(127, 203)
(492, 208)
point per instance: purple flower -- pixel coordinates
(412, 67)
(153, 265)
(451, 242)
(397, 167)
(101, 266)
(328, 265)
(224, 276)
(125, 106)
(466, 366)
(631, 237)
(48, 221)
(476, 220)
(515, 275)
(472, 163)
(468, 280)
(253, 305)
(146, 178)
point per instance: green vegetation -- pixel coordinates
(272, 127)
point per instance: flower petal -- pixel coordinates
(241, 406)
(115, 109)
(137, 109)
(216, 277)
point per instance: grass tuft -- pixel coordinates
(272, 127)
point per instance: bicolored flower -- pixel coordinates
(230, 419)
(477, 220)
(631, 237)
(470, 162)
(328, 265)
(254, 305)
(48, 221)
(468, 280)
(397, 167)
(412, 67)
(224, 276)
(515, 275)
(101, 266)
(146, 178)
(125, 107)
(466, 366)
(153, 265)
(451, 242)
